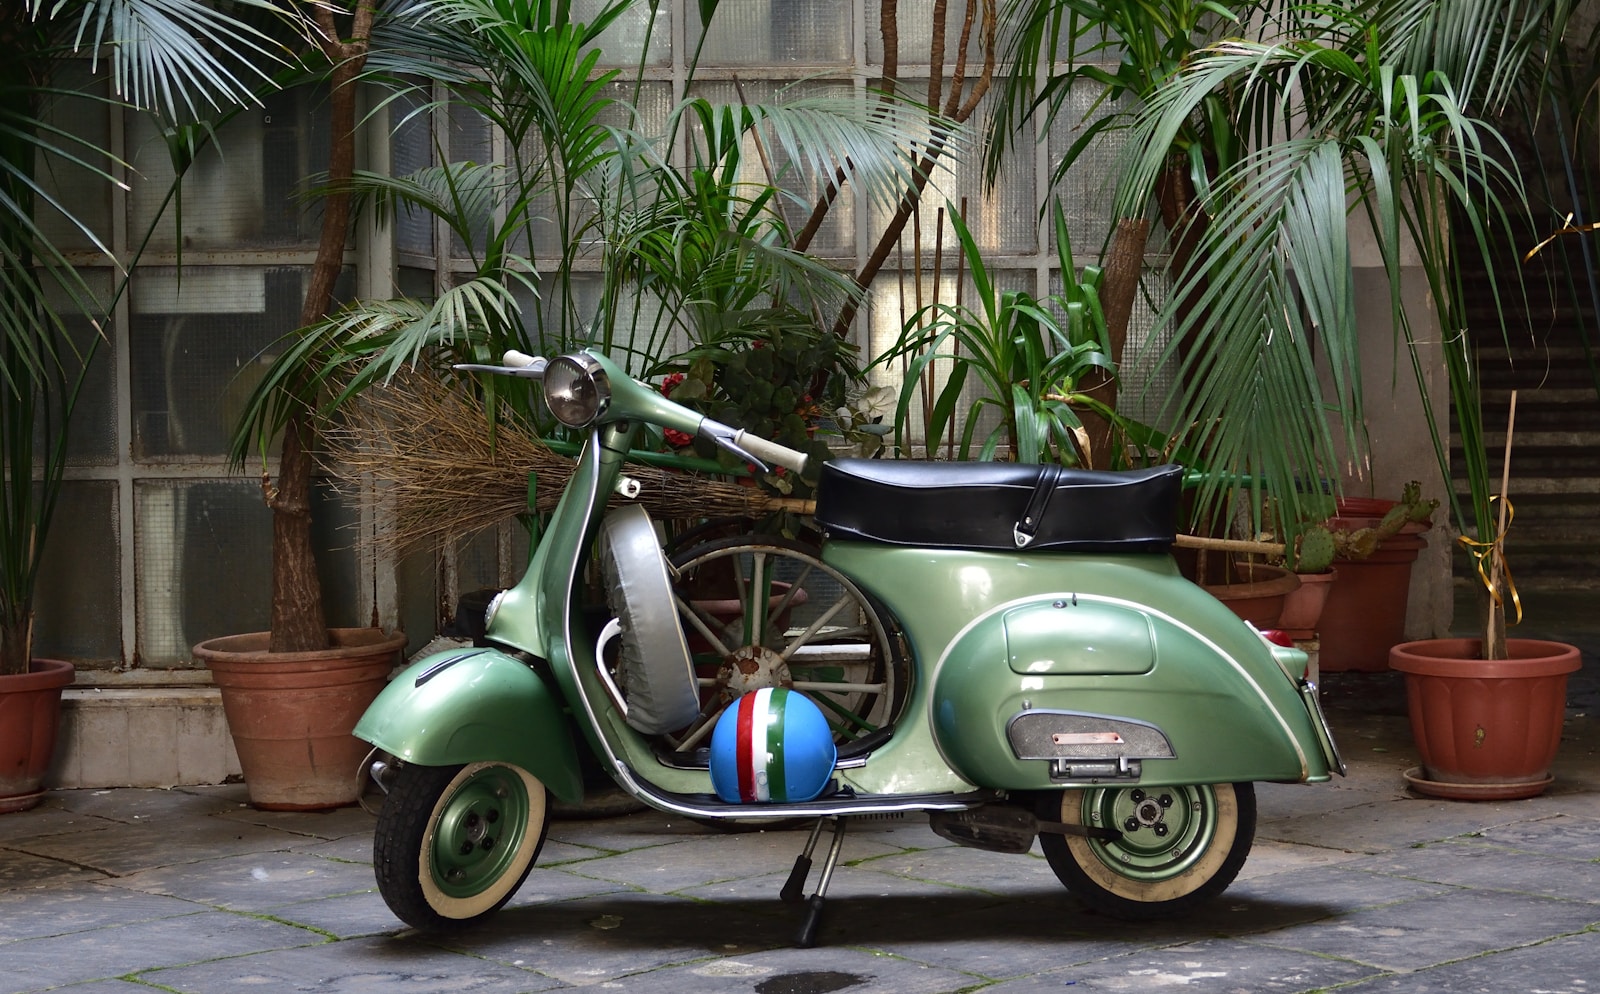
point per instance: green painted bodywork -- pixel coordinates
(485, 706)
(1146, 644)
(985, 630)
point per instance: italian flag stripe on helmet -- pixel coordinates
(760, 744)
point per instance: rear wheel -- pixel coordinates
(1179, 846)
(764, 612)
(453, 843)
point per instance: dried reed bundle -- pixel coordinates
(417, 453)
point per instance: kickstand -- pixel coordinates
(808, 931)
(794, 889)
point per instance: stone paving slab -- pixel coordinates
(1467, 864)
(1215, 966)
(359, 966)
(1413, 935)
(104, 953)
(602, 938)
(145, 844)
(791, 971)
(255, 882)
(1569, 965)
(80, 906)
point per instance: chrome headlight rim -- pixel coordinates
(576, 389)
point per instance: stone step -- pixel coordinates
(142, 736)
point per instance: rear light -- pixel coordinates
(1278, 636)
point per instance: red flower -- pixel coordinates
(675, 438)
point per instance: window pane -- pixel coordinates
(204, 555)
(200, 342)
(92, 440)
(241, 191)
(1002, 220)
(1088, 191)
(411, 149)
(79, 596)
(775, 33)
(647, 117)
(204, 558)
(621, 43)
(82, 192)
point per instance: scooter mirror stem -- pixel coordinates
(532, 371)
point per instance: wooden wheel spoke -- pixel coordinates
(816, 626)
(704, 625)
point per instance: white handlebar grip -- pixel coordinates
(518, 359)
(771, 452)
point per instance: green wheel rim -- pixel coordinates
(1164, 829)
(479, 831)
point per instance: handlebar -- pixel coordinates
(742, 444)
(769, 451)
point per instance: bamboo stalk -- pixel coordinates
(1494, 636)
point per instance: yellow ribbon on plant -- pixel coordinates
(1484, 554)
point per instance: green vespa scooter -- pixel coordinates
(1009, 648)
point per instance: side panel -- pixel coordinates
(475, 705)
(1136, 641)
(1225, 721)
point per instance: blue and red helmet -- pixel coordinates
(771, 744)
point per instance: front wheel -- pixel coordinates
(453, 843)
(1179, 846)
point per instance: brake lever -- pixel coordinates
(722, 436)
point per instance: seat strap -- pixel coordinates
(1023, 531)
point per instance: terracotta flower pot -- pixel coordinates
(1486, 729)
(1365, 613)
(1259, 594)
(729, 612)
(291, 713)
(30, 713)
(1302, 606)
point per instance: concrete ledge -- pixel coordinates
(134, 736)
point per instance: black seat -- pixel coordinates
(1000, 506)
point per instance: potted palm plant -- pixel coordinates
(580, 178)
(293, 694)
(1365, 113)
(166, 63)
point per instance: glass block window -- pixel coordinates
(201, 338)
(79, 596)
(775, 33)
(149, 485)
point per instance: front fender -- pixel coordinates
(475, 705)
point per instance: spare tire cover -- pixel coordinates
(655, 673)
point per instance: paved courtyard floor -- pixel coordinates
(1357, 885)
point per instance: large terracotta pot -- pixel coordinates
(1365, 612)
(1258, 595)
(291, 713)
(30, 713)
(1486, 729)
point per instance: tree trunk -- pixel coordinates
(1124, 267)
(298, 622)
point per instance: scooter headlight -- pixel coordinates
(576, 389)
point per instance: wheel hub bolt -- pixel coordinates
(1160, 828)
(1132, 824)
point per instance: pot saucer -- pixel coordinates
(1475, 791)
